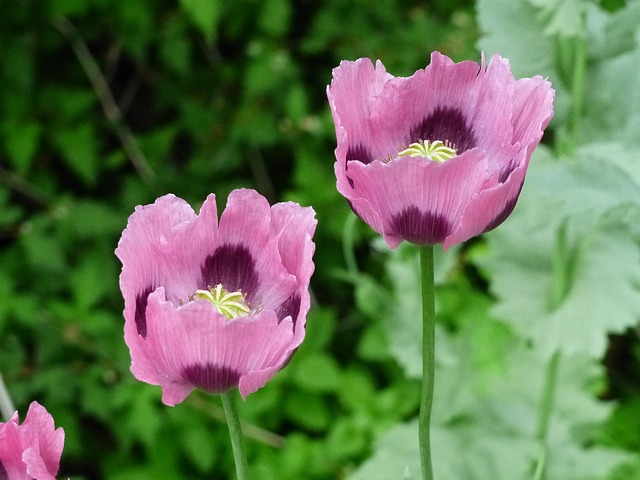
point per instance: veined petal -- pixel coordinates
(43, 457)
(489, 207)
(353, 91)
(196, 347)
(33, 449)
(437, 103)
(532, 110)
(245, 226)
(479, 112)
(352, 96)
(417, 199)
(492, 117)
(293, 227)
(160, 245)
(181, 341)
(360, 205)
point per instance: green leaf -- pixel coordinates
(88, 219)
(66, 8)
(400, 310)
(175, 51)
(396, 451)
(591, 288)
(204, 14)
(460, 453)
(275, 17)
(568, 460)
(357, 390)
(623, 428)
(143, 420)
(612, 110)
(317, 372)
(515, 30)
(194, 442)
(484, 428)
(88, 280)
(346, 439)
(42, 249)
(21, 139)
(9, 213)
(613, 34)
(563, 17)
(310, 411)
(79, 149)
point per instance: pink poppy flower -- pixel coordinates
(31, 450)
(438, 157)
(215, 305)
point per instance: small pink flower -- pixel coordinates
(438, 157)
(31, 450)
(215, 305)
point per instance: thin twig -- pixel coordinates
(109, 105)
(261, 174)
(18, 184)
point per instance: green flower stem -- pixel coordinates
(544, 412)
(578, 90)
(573, 58)
(6, 405)
(348, 234)
(235, 432)
(428, 358)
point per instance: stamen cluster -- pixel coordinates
(230, 304)
(437, 150)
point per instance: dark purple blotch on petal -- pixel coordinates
(506, 171)
(290, 307)
(232, 266)
(141, 311)
(422, 228)
(3, 473)
(445, 124)
(502, 216)
(211, 378)
(357, 153)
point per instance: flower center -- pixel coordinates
(230, 304)
(436, 150)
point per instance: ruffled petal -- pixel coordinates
(492, 118)
(437, 103)
(159, 247)
(255, 380)
(36, 467)
(246, 224)
(293, 228)
(532, 110)
(33, 449)
(487, 116)
(11, 449)
(194, 346)
(417, 199)
(491, 206)
(353, 91)
(43, 457)
(181, 343)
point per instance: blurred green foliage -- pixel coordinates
(106, 105)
